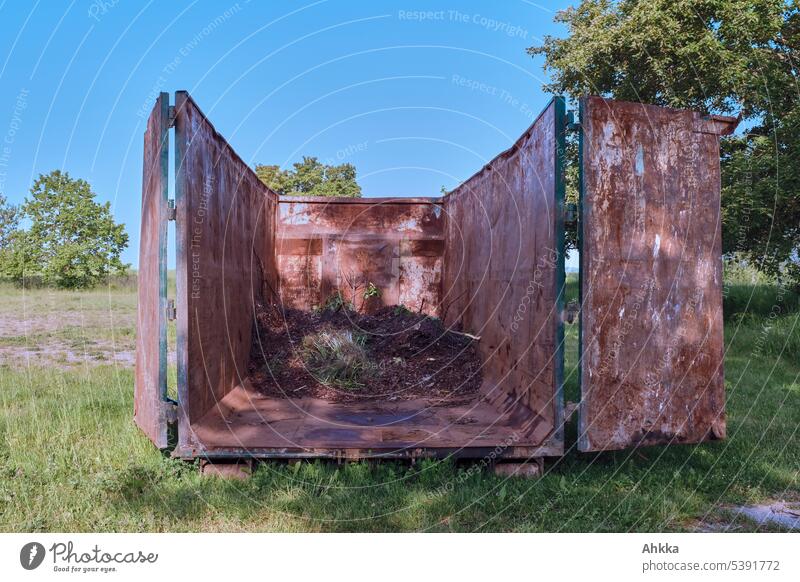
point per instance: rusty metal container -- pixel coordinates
(488, 256)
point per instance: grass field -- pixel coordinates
(72, 460)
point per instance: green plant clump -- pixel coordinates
(337, 302)
(401, 310)
(336, 357)
(371, 291)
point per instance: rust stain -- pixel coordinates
(327, 245)
(652, 276)
(226, 261)
(500, 275)
(484, 258)
(238, 242)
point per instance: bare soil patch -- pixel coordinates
(66, 329)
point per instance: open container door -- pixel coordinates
(150, 388)
(651, 276)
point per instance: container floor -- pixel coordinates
(247, 419)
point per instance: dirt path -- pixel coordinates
(67, 329)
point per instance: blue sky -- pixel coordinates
(418, 95)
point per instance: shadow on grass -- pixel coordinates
(644, 490)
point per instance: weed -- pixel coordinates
(336, 357)
(336, 302)
(371, 291)
(402, 310)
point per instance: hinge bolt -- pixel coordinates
(172, 313)
(572, 125)
(570, 214)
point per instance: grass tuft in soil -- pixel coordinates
(336, 357)
(341, 355)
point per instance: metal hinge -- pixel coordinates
(572, 125)
(172, 313)
(570, 314)
(171, 209)
(570, 409)
(570, 214)
(170, 411)
(171, 116)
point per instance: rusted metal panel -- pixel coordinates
(327, 245)
(504, 255)
(651, 317)
(245, 422)
(226, 262)
(222, 454)
(150, 384)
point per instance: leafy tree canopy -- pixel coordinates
(717, 56)
(72, 242)
(311, 178)
(9, 222)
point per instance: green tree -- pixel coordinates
(311, 178)
(272, 176)
(9, 222)
(9, 238)
(717, 56)
(72, 242)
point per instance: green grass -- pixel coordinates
(71, 459)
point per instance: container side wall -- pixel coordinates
(651, 280)
(329, 245)
(226, 261)
(501, 275)
(151, 330)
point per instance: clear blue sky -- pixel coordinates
(415, 101)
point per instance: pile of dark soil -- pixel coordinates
(407, 356)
